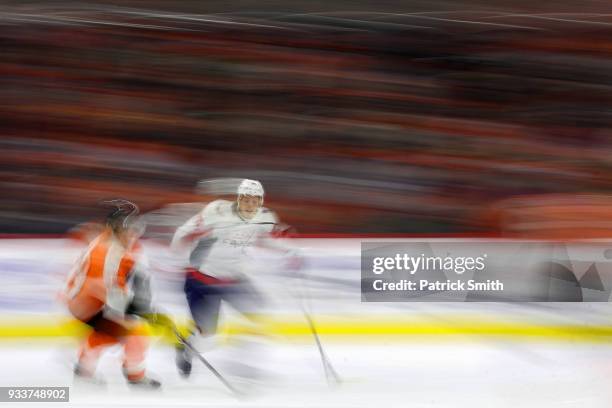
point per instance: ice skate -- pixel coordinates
(183, 361)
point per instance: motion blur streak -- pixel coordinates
(453, 120)
(405, 119)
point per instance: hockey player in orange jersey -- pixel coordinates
(107, 290)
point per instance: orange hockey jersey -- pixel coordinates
(99, 280)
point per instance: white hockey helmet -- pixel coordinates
(250, 188)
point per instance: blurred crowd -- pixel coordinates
(355, 122)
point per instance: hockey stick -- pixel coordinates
(165, 321)
(212, 369)
(330, 373)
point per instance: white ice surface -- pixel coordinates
(462, 371)
(465, 372)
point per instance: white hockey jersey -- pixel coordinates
(227, 238)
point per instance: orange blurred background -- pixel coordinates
(412, 119)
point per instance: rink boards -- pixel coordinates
(33, 271)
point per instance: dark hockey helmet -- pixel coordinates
(123, 214)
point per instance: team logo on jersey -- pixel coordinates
(240, 239)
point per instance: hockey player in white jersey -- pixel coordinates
(219, 239)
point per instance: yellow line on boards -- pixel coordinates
(369, 327)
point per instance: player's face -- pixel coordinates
(248, 206)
